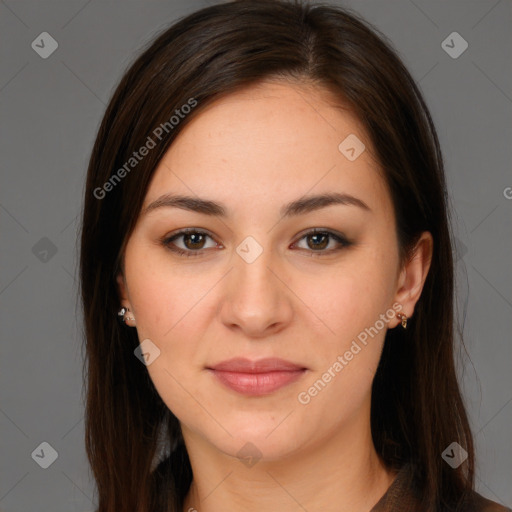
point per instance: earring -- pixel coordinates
(403, 318)
(122, 312)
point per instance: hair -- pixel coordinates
(133, 441)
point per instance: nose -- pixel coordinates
(257, 301)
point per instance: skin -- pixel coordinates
(292, 302)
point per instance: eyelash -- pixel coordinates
(167, 242)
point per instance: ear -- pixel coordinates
(413, 275)
(129, 317)
(122, 290)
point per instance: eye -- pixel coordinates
(318, 240)
(192, 242)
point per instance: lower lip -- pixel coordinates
(255, 384)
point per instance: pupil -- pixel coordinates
(321, 245)
(196, 239)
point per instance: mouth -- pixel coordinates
(256, 378)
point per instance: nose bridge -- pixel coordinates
(252, 274)
(256, 299)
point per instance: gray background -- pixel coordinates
(50, 111)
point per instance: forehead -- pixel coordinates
(268, 144)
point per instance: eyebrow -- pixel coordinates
(300, 206)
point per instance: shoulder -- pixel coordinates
(478, 503)
(403, 495)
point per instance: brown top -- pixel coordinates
(401, 497)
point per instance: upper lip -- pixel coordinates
(243, 365)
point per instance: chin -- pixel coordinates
(256, 438)
(251, 448)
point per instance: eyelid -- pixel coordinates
(313, 231)
(186, 231)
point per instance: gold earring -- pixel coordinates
(403, 318)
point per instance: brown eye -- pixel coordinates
(189, 242)
(318, 241)
(323, 242)
(193, 240)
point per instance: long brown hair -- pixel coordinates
(417, 408)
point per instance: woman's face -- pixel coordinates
(256, 282)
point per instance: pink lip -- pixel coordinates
(256, 377)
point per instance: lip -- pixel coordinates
(256, 378)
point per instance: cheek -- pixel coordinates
(170, 313)
(163, 295)
(351, 299)
(182, 395)
(173, 308)
(349, 352)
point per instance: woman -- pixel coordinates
(266, 214)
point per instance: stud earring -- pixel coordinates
(122, 312)
(403, 318)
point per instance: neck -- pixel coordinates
(342, 473)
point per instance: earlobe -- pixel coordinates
(127, 316)
(125, 306)
(413, 275)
